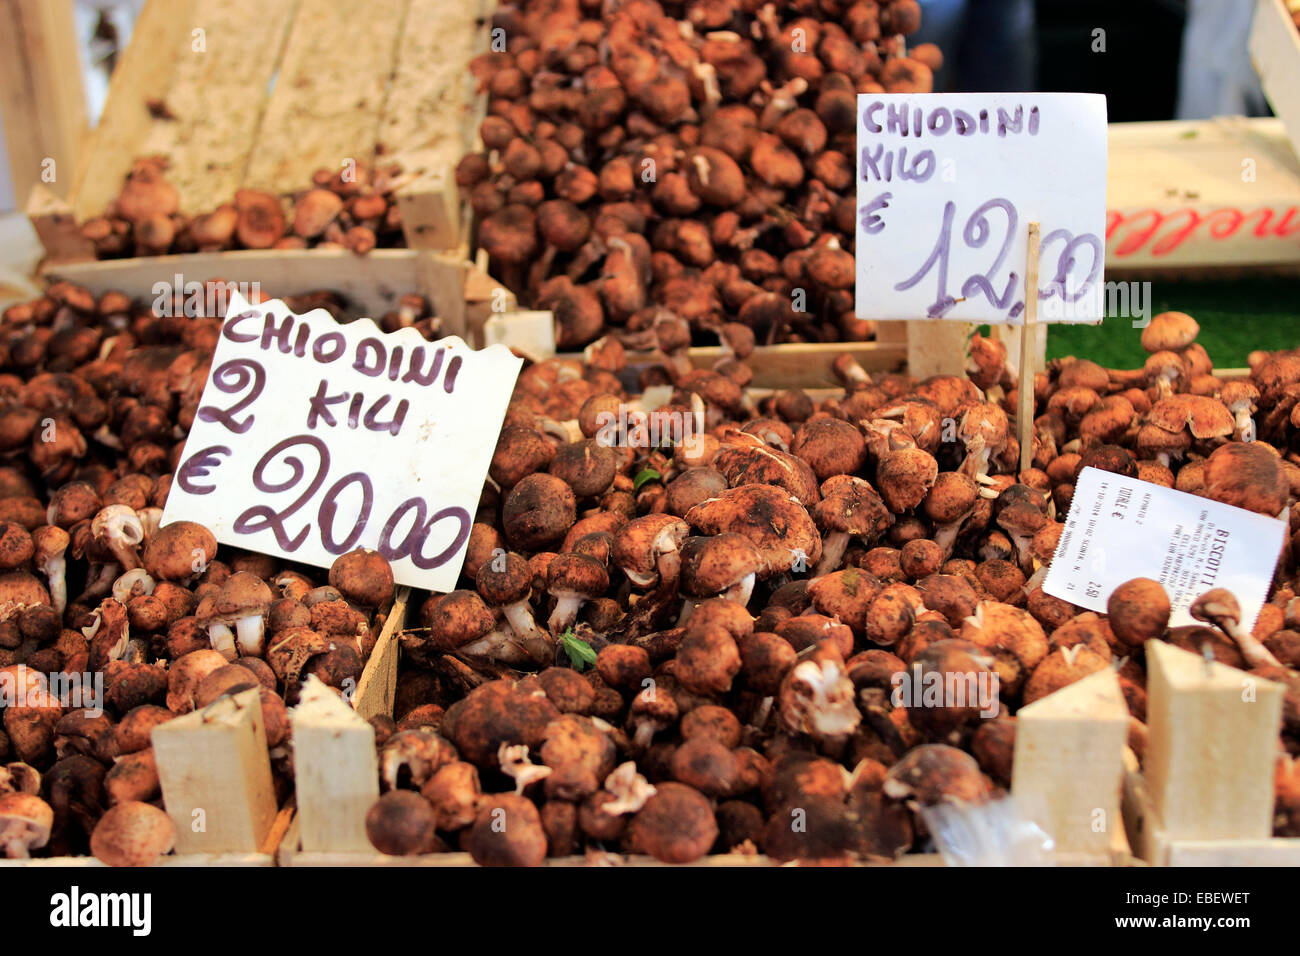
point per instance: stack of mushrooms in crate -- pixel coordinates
(111, 625)
(693, 160)
(679, 648)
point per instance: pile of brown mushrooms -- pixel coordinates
(95, 400)
(350, 208)
(747, 598)
(647, 159)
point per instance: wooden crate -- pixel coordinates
(1275, 52)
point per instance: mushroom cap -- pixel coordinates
(904, 477)
(1205, 417)
(25, 819)
(364, 577)
(132, 834)
(951, 497)
(513, 582)
(1247, 475)
(573, 573)
(830, 447)
(1169, 330)
(676, 825)
(711, 565)
(459, 617)
(179, 551)
(538, 511)
(746, 463)
(776, 524)
(1084, 372)
(850, 505)
(639, 544)
(243, 594)
(402, 823)
(1215, 605)
(507, 832)
(588, 467)
(19, 590)
(1138, 611)
(932, 774)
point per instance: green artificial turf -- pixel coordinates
(1236, 317)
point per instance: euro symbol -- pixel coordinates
(198, 465)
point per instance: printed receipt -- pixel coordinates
(1120, 528)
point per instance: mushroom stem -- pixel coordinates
(976, 463)
(1256, 654)
(832, 552)
(55, 569)
(100, 585)
(1035, 579)
(520, 618)
(945, 535)
(1245, 425)
(222, 639)
(688, 607)
(567, 604)
(741, 590)
(250, 635)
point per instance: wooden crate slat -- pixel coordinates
(126, 129)
(329, 92)
(41, 99)
(217, 96)
(373, 283)
(378, 684)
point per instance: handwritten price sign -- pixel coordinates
(947, 186)
(314, 438)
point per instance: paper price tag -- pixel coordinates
(1120, 528)
(947, 186)
(313, 438)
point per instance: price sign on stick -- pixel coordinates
(1121, 528)
(947, 186)
(313, 438)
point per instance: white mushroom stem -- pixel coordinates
(945, 535)
(503, 647)
(976, 463)
(250, 635)
(833, 549)
(1256, 654)
(100, 584)
(55, 569)
(1022, 542)
(567, 605)
(645, 733)
(630, 790)
(222, 639)
(150, 521)
(520, 618)
(1035, 579)
(1245, 424)
(831, 709)
(741, 590)
(688, 608)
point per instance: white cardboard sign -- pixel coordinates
(1121, 528)
(313, 438)
(947, 186)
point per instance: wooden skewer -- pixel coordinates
(1028, 351)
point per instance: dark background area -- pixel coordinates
(1139, 70)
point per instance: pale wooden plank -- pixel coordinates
(52, 218)
(1275, 51)
(1070, 753)
(329, 93)
(373, 284)
(216, 776)
(336, 771)
(217, 94)
(1211, 743)
(126, 129)
(41, 100)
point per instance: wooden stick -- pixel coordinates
(1028, 354)
(216, 776)
(1070, 753)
